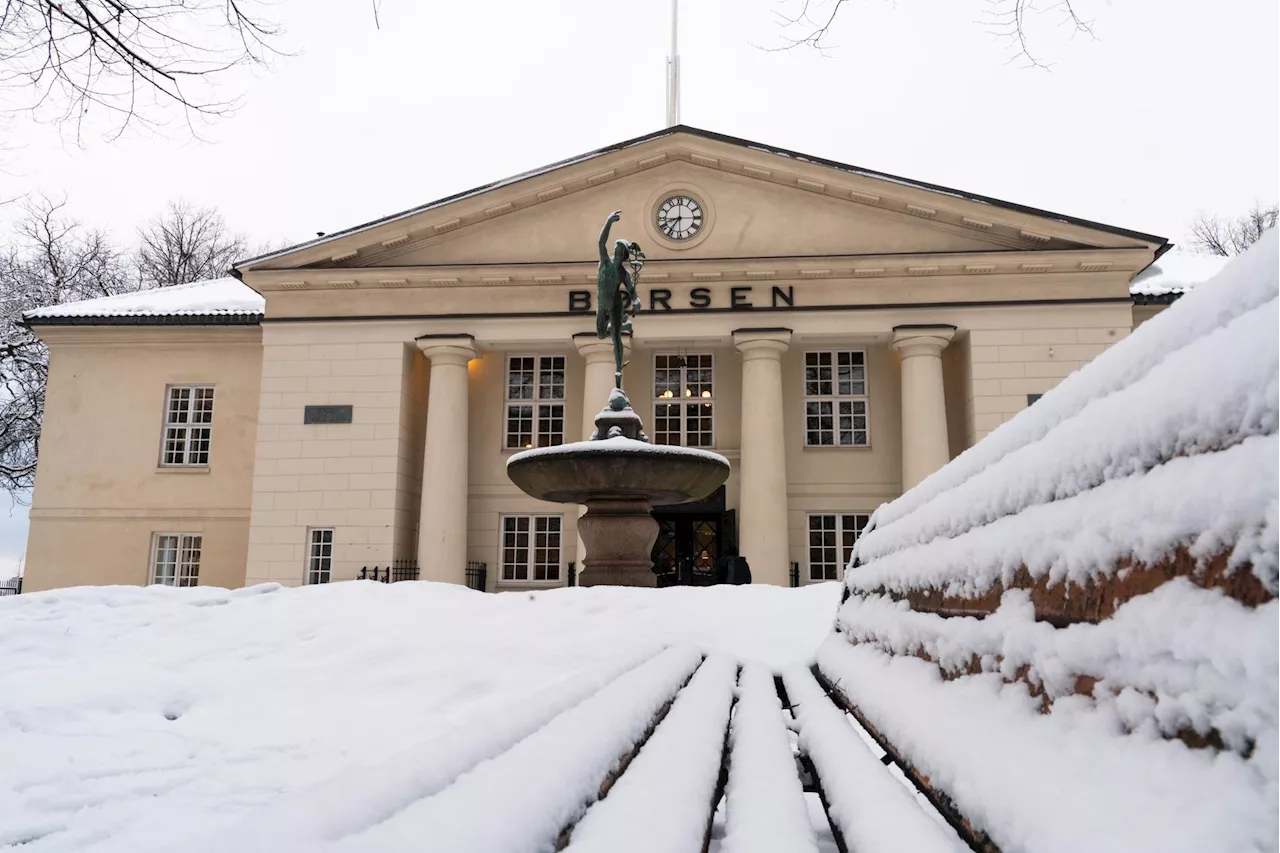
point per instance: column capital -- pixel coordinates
(922, 340)
(762, 343)
(597, 350)
(448, 349)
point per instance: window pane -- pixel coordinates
(166, 559)
(520, 378)
(320, 560)
(666, 423)
(519, 426)
(550, 424)
(551, 378)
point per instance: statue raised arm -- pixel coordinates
(612, 281)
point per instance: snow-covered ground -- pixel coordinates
(148, 719)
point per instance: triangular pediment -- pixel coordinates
(759, 203)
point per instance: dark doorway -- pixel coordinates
(691, 539)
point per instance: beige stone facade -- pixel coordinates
(947, 311)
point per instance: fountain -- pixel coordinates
(618, 474)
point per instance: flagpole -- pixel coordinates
(673, 71)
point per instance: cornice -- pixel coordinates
(664, 273)
(107, 332)
(954, 214)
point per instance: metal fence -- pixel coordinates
(477, 575)
(399, 570)
(795, 574)
(12, 590)
(573, 574)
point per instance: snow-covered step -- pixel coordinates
(765, 803)
(662, 803)
(873, 811)
(522, 799)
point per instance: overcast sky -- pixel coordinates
(1170, 110)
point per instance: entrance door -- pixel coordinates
(687, 548)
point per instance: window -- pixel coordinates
(831, 538)
(320, 555)
(835, 398)
(175, 559)
(531, 559)
(188, 424)
(689, 379)
(535, 401)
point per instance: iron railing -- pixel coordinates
(573, 574)
(477, 575)
(399, 570)
(12, 590)
(795, 574)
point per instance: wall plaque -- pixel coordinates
(327, 415)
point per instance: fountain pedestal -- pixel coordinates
(619, 476)
(619, 535)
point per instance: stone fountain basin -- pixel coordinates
(618, 468)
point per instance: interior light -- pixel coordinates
(688, 393)
(706, 393)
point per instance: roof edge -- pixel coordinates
(150, 320)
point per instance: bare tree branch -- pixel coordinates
(54, 260)
(137, 61)
(185, 244)
(811, 24)
(1226, 237)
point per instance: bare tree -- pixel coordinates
(1227, 237)
(808, 23)
(187, 243)
(53, 260)
(134, 60)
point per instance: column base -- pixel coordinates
(619, 536)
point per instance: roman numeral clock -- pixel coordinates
(679, 217)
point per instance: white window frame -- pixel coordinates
(835, 398)
(180, 431)
(845, 522)
(540, 405)
(530, 566)
(181, 555)
(319, 568)
(688, 399)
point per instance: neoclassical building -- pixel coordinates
(836, 333)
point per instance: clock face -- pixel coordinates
(679, 217)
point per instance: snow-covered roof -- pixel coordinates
(217, 298)
(1176, 273)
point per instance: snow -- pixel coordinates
(1149, 398)
(619, 444)
(1060, 782)
(1209, 503)
(1070, 738)
(1176, 272)
(874, 812)
(218, 297)
(764, 800)
(545, 780)
(674, 776)
(1198, 659)
(302, 716)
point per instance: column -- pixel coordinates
(925, 446)
(762, 505)
(442, 528)
(597, 382)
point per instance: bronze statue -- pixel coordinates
(616, 291)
